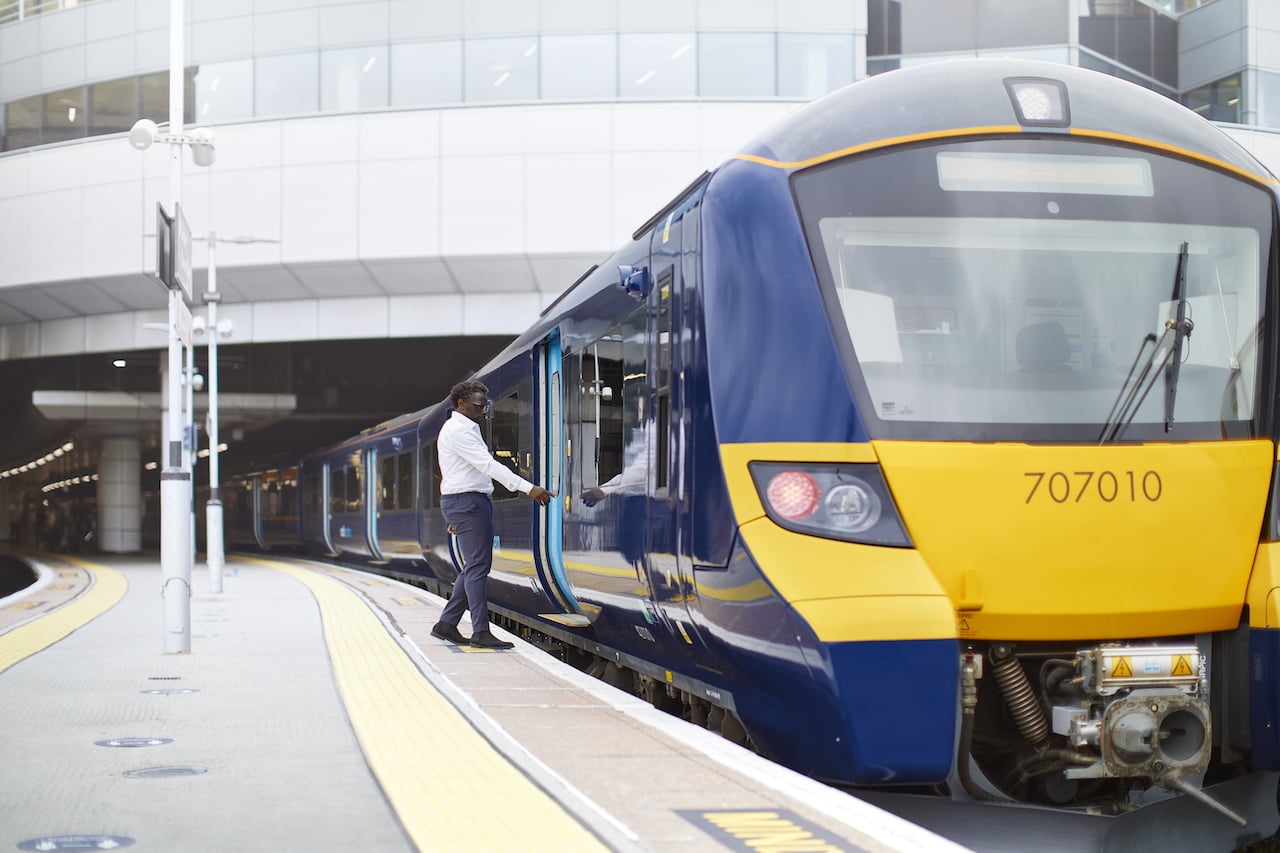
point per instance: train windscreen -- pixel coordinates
(1039, 289)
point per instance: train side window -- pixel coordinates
(637, 440)
(289, 493)
(387, 482)
(512, 415)
(430, 476)
(404, 480)
(269, 486)
(311, 494)
(337, 490)
(662, 379)
(600, 428)
(354, 496)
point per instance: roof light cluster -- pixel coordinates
(39, 461)
(70, 481)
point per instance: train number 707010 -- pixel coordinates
(1108, 486)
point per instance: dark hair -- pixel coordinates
(463, 390)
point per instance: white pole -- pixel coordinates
(189, 445)
(174, 478)
(214, 553)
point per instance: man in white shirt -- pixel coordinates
(467, 472)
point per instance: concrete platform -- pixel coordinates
(316, 713)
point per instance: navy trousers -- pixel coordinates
(471, 516)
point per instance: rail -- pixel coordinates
(20, 10)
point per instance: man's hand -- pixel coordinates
(541, 495)
(592, 496)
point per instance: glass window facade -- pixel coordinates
(657, 65)
(1130, 39)
(579, 67)
(1134, 35)
(353, 79)
(65, 114)
(286, 85)
(224, 91)
(812, 65)
(737, 65)
(504, 69)
(111, 106)
(426, 73)
(1125, 38)
(940, 26)
(1266, 99)
(1218, 101)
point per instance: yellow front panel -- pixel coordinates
(1045, 542)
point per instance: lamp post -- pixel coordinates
(175, 479)
(215, 552)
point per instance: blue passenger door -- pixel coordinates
(551, 453)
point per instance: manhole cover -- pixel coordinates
(76, 842)
(165, 772)
(134, 741)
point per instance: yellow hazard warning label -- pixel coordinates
(409, 602)
(1182, 666)
(1122, 668)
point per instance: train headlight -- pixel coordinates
(836, 501)
(1039, 101)
(853, 506)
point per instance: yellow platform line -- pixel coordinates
(28, 638)
(451, 789)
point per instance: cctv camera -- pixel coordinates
(202, 146)
(143, 133)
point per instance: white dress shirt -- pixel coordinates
(466, 465)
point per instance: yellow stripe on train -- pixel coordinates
(1029, 542)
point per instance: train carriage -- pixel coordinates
(929, 441)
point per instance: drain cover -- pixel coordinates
(165, 772)
(134, 741)
(171, 691)
(76, 842)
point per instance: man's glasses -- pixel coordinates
(482, 405)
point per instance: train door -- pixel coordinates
(667, 548)
(373, 504)
(326, 503)
(553, 451)
(255, 490)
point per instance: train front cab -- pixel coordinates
(1078, 479)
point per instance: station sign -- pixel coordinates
(173, 250)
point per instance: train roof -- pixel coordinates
(945, 98)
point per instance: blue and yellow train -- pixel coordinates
(929, 441)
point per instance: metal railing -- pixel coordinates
(20, 10)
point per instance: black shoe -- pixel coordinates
(445, 631)
(485, 640)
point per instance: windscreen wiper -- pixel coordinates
(1134, 390)
(1182, 327)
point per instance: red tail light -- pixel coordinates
(793, 494)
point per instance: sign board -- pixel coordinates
(164, 246)
(182, 253)
(180, 316)
(173, 250)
